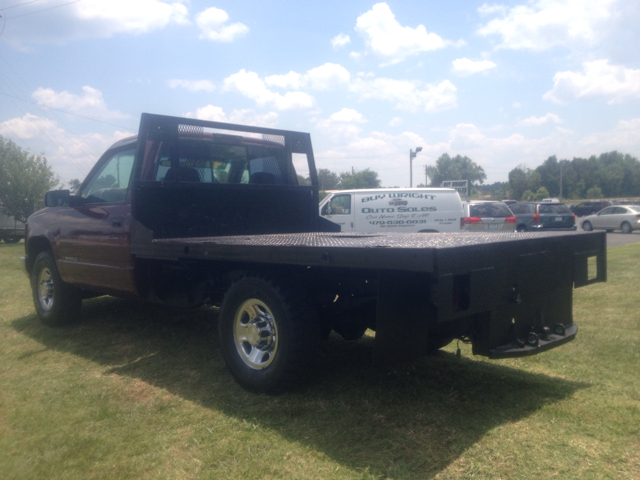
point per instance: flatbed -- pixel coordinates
(191, 212)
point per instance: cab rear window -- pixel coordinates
(484, 210)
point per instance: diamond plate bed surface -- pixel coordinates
(363, 240)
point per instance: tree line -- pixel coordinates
(609, 175)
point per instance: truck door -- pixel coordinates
(339, 210)
(93, 246)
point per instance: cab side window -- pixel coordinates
(111, 183)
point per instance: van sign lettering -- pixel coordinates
(374, 197)
(411, 195)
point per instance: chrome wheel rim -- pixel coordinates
(45, 289)
(255, 334)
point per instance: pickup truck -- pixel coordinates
(11, 230)
(191, 212)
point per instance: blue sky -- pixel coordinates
(504, 83)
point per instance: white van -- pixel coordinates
(394, 210)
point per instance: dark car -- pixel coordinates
(538, 216)
(589, 208)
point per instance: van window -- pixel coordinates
(338, 205)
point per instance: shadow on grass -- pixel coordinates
(404, 421)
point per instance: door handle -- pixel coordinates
(117, 222)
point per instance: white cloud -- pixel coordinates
(384, 36)
(90, 18)
(537, 121)
(411, 96)
(543, 24)
(139, 16)
(340, 40)
(624, 137)
(240, 116)
(395, 122)
(324, 77)
(28, 126)
(70, 156)
(91, 103)
(342, 124)
(251, 86)
(599, 79)
(213, 24)
(192, 85)
(465, 67)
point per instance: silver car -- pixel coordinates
(488, 216)
(618, 217)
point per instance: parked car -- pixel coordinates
(589, 208)
(625, 218)
(488, 216)
(537, 216)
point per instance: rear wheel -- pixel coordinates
(57, 303)
(626, 227)
(11, 239)
(587, 227)
(268, 335)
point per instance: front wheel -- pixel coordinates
(626, 227)
(587, 227)
(11, 239)
(268, 335)
(57, 303)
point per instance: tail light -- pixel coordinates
(536, 218)
(510, 220)
(471, 220)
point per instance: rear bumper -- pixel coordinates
(521, 349)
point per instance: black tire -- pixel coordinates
(626, 227)
(11, 239)
(587, 227)
(521, 228)
(268, 335)
(57, 303)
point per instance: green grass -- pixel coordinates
(140, 391)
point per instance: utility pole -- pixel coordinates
(412, 155)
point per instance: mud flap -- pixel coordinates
(403, 315)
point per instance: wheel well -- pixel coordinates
(428, 231)
(34, 247)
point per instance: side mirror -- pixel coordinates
(57, 198)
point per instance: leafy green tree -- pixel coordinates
(541, 193)
(594, 192)
(303, 180)
(328, 180)
(523, 179)
(456, 168)
(74, 185)
(24, 179)
(361, 179)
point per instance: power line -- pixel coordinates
(43, 9)
(68, 113)
(19, 5)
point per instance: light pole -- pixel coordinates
(412, 155)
